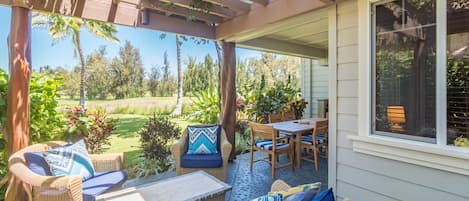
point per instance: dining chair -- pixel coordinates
(288, 116)
(274, 118)
(317, 140)
(264, 138)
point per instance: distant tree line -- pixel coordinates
(123, 76)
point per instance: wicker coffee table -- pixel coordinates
(193, 186)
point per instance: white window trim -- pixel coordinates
(437, 156)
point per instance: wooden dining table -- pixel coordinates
(296, 128)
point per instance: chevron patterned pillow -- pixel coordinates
(203, 139)
(70, 160)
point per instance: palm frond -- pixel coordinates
(103, 30)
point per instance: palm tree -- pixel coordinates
(178, 108)
(61, 27)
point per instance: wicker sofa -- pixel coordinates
(179, 149)
(70, 188)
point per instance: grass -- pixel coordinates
(132, 115)
(143, 105)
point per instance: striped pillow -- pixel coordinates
(272, 197)
(70, 160)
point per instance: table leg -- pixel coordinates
(298, 149)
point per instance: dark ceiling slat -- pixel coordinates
(237, 5)
(181, 11)
(215, 9)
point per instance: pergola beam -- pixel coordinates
(127, 12)
(228, 93)
(178, 26)
(264, 16)
(18, 92)
(283, 47)
(214, 9)
(181, 11)
(261, 2)
(236, 5)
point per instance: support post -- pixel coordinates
(228, 93)
(18, 92)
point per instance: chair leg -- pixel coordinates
(274, 164)
(315, 152)
(252, 159)
(290, 159)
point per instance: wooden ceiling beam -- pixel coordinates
(261, 2)
(127, 14)
(237, 5)
(178, 26)
(283, 47)
(261, 17)
(214, 9)
(181, 11)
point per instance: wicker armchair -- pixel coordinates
(180, 147)
(280, 185)
(57, 188)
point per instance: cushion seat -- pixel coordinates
(102, 182)
(201, 160)
(320, 139)
(267, 145)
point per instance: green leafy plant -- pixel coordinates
(261, 101)
(206, 107)
(45, 122)
(155, 141)
(461, 141)
(94, 127)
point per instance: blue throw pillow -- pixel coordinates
(70, 160)
(272, 197)
(203, 139)
(36, 163)
(327, 195)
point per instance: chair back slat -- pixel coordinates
(288, 116)
(273, 118)
(262, 131)
(321, 128)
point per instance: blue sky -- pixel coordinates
(151, 46)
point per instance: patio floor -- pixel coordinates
(249, 185)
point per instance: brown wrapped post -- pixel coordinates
(18, 92)
(228, 93)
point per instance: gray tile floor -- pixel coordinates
(249, 185)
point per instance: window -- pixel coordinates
(457, 91)
(405, 67)
(404, 72)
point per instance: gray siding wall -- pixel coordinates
(314, 85)
(362, 177)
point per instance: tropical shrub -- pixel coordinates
(206, 106)
(95, 128)
(45, 122)
(261, 101)
(155, 140)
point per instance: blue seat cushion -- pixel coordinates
(102, 182)
(201, 160)
(268, 145)
(327, 195)
(36, 163)
(320, 139)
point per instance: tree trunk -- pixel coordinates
(178, 108)
(82, 72)
(228, 92)
(18, 92)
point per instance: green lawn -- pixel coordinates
(126, 139)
